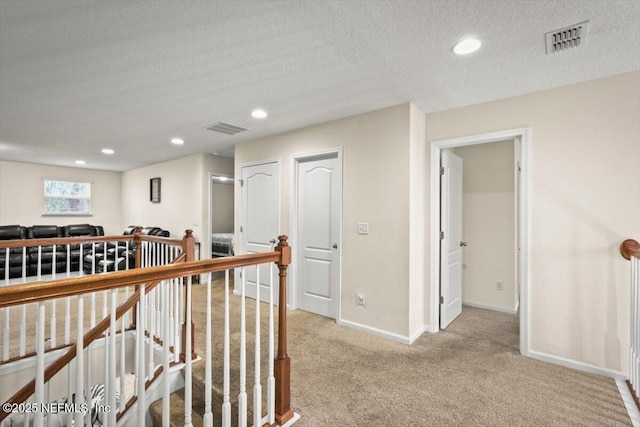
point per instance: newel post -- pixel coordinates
(189, 248)
(282, 364)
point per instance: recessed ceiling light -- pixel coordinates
(259, 114)
(466, 46)
(107, 151)
(177, 141)
(80, 162)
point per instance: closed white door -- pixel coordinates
(319, 200)
(451, 238)
(260, 222)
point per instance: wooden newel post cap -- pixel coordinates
(138, 229)
(188, 233)
(285, 251)
(629, 247)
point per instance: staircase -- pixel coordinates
(147, 331)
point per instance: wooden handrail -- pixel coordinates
(28, 243)
(630, 248)
(41, 291)
(90, 336)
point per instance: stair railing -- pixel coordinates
(630, 250)
(161, 280)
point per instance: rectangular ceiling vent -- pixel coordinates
(226, 128)
(567, 38)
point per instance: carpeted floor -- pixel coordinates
(469, 375)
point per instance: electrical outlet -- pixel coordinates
(498, 286)
(360, 299)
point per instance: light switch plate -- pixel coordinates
(363, 228)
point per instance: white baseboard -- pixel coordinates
(490, 307)
(375, 331)
(629, 403)
(580, 366)
(418, 333)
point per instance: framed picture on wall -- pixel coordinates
(154, 190)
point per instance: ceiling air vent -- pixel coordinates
(226, 128)
(567, 38)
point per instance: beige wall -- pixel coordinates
(488, 225)
(585, 199)
(222, 207)
(181, 196)
(22, 199)
(375, 190)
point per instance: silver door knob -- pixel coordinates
(272, 241)
(335, 246)
(463, 243)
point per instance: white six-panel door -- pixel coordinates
(260, 221)
(451, 244)
(319, 197)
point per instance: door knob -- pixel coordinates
(463, 243)
(272, 241)
(335, 246)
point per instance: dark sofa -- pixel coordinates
(58, 258)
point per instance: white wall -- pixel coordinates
(488, 225)
(22, 196)
(585, 199)
(375, 190)
(181, 196)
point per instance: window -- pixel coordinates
(67, 197)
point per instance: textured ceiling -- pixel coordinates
(77, 76)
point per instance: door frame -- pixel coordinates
(296, 159)
(206, 239)
(237, 233)
(523, 214)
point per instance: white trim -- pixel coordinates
(375, 331)
(523, 220)
(293, 220)
(629, 402)
(579, 366)
(490, 307)
(418, 334)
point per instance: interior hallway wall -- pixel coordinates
(585, 200)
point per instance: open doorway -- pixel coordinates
(222, 215)
(514, 299)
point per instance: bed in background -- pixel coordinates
(222, 244)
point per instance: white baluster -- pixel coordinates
(151, 329)
(140, 361)
(635, 284)
(271, 381)
(67, 321)
(80, 362)
(208, 415)
(633, 318)
(242, 397)
(226, 404)
(23, 330)
(257, 387)
(123, 394)
(69, 393)
(176, 320)
(38, 420)
(110, 380)
(166, 391)
(7, 314)
(187, 367)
